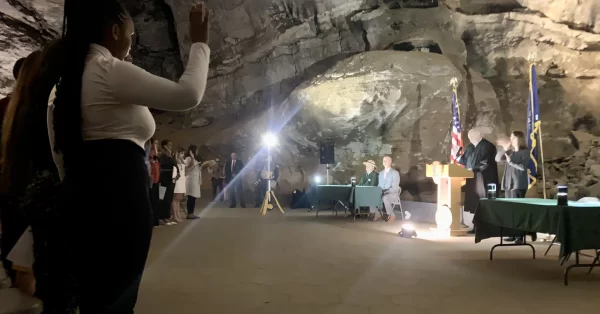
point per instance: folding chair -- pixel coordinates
(398, 204)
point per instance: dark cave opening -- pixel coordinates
(427, 46)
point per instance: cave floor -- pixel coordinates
(236, 261)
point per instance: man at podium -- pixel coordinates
(479, 157)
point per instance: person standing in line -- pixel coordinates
(12, 222)
(155, 176)
(389, 182)
(180, 186)
(168, 177)
(102, 107)
(515, 156)
(193, 179)
(34, 182)
(216, 179)
(6, 100)
(233, 169)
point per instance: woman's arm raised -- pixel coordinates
(132, 85)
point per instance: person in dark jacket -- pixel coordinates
(515, 155)
(479, 157)
(370, 177)
(167, 180)
(233, 167)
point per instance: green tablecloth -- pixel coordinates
(577, 226)
(367, 196)
(359, 196)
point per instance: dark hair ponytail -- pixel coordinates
(82, 29)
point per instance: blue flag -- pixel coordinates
(533, 126)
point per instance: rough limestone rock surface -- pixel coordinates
(317, 68)
(579, 14)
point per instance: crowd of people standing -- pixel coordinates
(173, 176)
(73, 165)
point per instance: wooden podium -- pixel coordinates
(449, 181)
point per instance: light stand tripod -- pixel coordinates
(266, 204)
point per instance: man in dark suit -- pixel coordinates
(233, 167)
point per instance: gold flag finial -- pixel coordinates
(532, 56)
(454, 82)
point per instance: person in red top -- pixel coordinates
(4, 101)
(155, 175)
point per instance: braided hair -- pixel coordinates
(14, 170)
(80, 31)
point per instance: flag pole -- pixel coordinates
(532, 57)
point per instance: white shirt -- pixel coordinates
(385, 172)
(116, 95)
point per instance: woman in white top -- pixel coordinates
(180, 188)
(193, 171)
(101, 120)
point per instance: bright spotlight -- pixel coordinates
(269, 140)
(409, 227)
(408, 231)
(317, 179)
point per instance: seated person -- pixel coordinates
(370, 177)
(389, 182)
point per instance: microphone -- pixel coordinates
(459, 151)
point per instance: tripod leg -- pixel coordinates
(277, 202)
(265, 203)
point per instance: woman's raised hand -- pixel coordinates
(199, 23)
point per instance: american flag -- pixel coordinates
(456, 128)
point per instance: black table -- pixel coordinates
(345, 195)
(576, 226)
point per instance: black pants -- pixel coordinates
(155, 202)
(236, 192)
(259, 193)
(217, 187)
(165, 204)
(191, 204)
(14, 224)
(109, 253)
(515, 193)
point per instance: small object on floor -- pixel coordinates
(192, 217)
(510, 239)
(407, 231)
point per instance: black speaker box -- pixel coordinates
(326, 152)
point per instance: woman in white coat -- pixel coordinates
(180, 186)
(193, 179)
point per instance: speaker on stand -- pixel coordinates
(327, 154)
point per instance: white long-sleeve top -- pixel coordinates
(116, 95)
